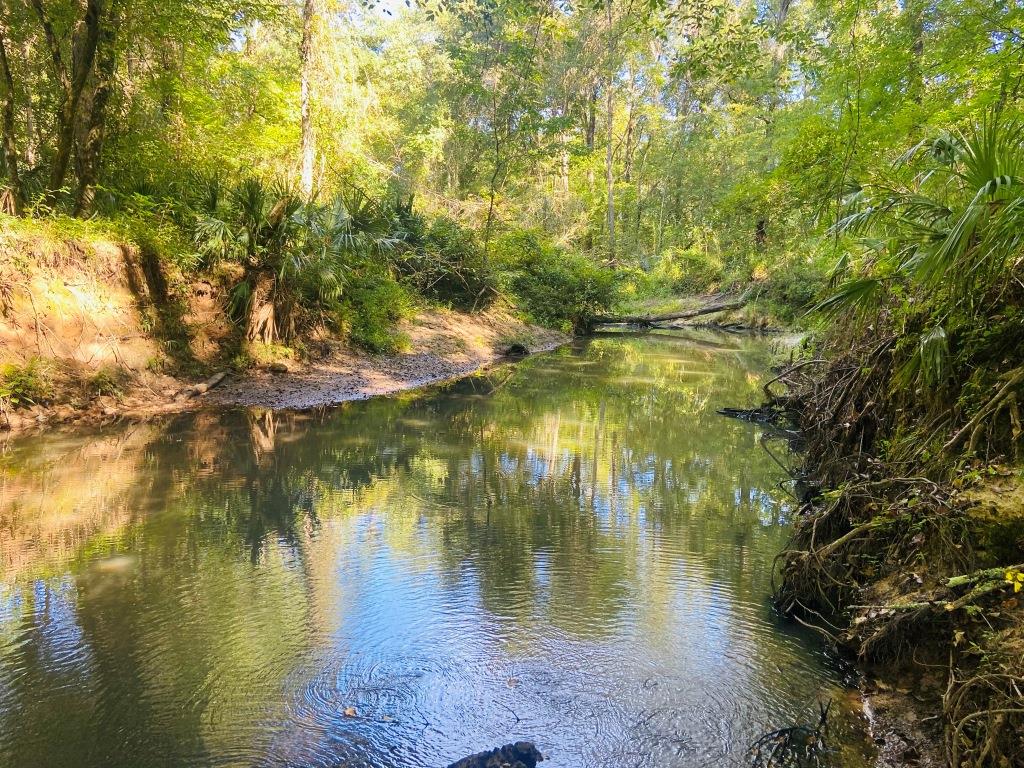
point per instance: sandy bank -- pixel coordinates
(443, 345)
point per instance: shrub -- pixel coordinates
(373, 305)
(794, 286)
(552, 286)
(24, 385)
(441, 260)
(694, 269)
(295, 255)
(108, 380)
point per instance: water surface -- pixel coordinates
(575, 550)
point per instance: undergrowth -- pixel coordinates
(909, 403)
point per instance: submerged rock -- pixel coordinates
(522, 754)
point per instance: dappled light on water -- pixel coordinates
(574, 550)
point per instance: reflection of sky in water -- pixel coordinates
(580, 557)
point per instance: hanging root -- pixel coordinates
(896, 561)
(1005, 398)
(799, 746)
(984, 709)
(862, 533)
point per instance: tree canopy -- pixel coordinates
(727, 127)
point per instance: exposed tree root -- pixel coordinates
(886, 563)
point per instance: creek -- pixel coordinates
(574, 550)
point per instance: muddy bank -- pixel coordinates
(443, 345)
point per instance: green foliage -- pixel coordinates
(553, 287)
(719, 141)
(696, 268)
(950, 224)
(306, 252)
(442, 260)
(22, 386)
(795, 286)
(373, 305)
(934, 264)
(109, 380)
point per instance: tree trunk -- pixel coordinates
(915, 11)
(84, 40)
(627, 168)
(93, 120)
(609, 177)
(659, 233)
(32, 137)
(648, 321)
(563, 140)
(493, 188)
(591, 134)
(308, 148)
(9, 140)
(262, 325)
(564, 172)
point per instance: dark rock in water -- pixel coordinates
(516, 350)
(522, 754)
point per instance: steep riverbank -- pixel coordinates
(93, 330)
(910, 561)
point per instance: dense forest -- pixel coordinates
(473, 148)
(852, 168)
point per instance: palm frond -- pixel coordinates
(856, 294)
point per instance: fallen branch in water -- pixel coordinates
(800, 746)
(649, 321)
(522, 754)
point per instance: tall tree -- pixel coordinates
(72, 77)
(609, 171)
(308, 140)
(91, 120)
(9, 139)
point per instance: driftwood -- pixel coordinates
(203, 387)
(650, 321)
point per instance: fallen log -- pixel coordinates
(202, 388)
(650, 321)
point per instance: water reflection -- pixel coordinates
(575, 550)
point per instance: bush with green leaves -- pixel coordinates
(22, 386)
(441, 260)
(935, 267)
(793, 287)
(372, 307)
(696, 268)
(297, 257)
(552, 286)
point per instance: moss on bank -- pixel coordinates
(910, 565)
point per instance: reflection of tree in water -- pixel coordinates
(565, 485)
(575, 454)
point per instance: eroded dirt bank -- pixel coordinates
(94, 331)
(443, 345)
(910, 562)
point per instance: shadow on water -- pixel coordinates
(574, 550)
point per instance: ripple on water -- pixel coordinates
(577, 552)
